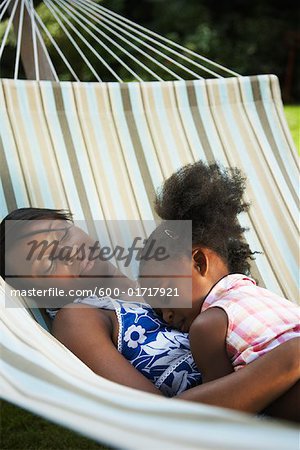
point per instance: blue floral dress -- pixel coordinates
(159, 352)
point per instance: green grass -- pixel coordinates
(292, 113)
(21, 430)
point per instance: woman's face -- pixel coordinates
(51, 254)
(49, 248)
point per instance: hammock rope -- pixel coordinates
(18, 51)
(150, 47)
(4, 5)
(57, 48)
(133, 26)
(119, 37)
(72, 39)
(8, 28)
(139, 50)
(68, 9)
(34, 33)
(144, 36)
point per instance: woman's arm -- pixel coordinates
(87, 332)
(257, 385)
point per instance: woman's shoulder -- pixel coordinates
(80, 316)
(73, 309)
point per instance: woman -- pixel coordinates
(93, 329)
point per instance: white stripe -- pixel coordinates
(33, 146)
(206, 114)
(170, 142)
(11, 155)
(187, 120)
(129, 153)
(3, 210)
(258, 190)
(277, 175)
(18, 136)
(70, 111)
(144, 133)
(275, 126)
(60, 149)
(106, 171)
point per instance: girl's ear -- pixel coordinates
(200, 261)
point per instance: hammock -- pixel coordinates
(100, 150)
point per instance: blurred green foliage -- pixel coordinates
(247, 36)
(292, 113)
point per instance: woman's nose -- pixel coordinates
(167, 316)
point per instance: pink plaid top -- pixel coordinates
(258, 320)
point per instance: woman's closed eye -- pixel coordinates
(50, 268)
(51, 259)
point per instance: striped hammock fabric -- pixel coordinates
(40, 374)
(101, 150)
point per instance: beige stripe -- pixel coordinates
(102, 182)
(15, 150)
(142, 87)
(265, 123)
(60, 154)
(282, 218)
(108, 117)
(198, 122)
(257, 153)
(73, 159)
(134, 134)
(122, 145)
(20, 130)
(210, 89)
(51, 163)
(276, 96)
(232, 154)
(175, 123)
(45, 148)
(156, 129)
(6, 181)
(87, 129)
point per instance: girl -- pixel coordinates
(231, 321)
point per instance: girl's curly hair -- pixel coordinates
(211, 196)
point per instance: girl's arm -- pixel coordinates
(208, 344)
